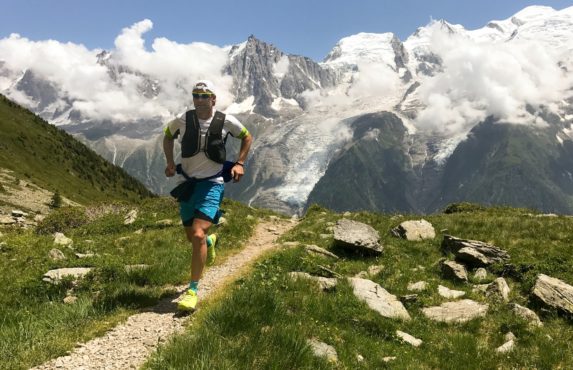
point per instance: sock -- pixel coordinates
(208, 242)
(194, 285)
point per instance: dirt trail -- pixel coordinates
(128, 345)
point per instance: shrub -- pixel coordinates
(62, 219)
(463, 207)
(56, 201)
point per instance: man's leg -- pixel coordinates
(196, 234)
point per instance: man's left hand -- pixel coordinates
(237, 172)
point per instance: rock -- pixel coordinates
(55, 276)
(480, 274)
(408, 338)
(138, 231)
(39, 218)
(85, 255)
(17, 213)
(499, 288)
(250, 217)
(454, 312)
(362, 275)
(375, 270)
(408, 298)
(418, 286)
(165, 222)
(389, 358)
(355, 235)
(453, 270)
(70, 299)
(477, 253)
(527, 314)
(323, 283)
(291, 244)
(132, 268)
(414, 230)
(272, 229)
(61, 239)
(7, 220)
(130, 217)
(321, 349)
(346, 214)
(480, 288)
(449, 293)
(359, 358)
(509, 336)
(506, 347)
(554, 293)
(222, 221)
(378, 299)
(318, 250)
(56, 254)
(325, 236)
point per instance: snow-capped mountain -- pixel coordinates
(379, 124)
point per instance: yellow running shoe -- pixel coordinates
(188, 301)
(211, 253)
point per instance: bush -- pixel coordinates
(62, 219)
(463, 207)
(56, 201)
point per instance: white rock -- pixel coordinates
(321, 349)
(458, 311)
(61, 239)
(378, 299)
(527, 314)
(56, 254)
(449, 293)
(408, 338)
(130, 217)
(55, 276)
(418, 286)
(480, 274)
(506, 347)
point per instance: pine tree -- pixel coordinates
(56, 200)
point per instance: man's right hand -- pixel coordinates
(170, 170)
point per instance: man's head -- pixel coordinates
(204, 97)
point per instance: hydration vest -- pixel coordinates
(214, 142)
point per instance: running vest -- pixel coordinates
(214, 142)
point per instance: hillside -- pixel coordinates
(37, 152)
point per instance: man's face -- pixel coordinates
(203, 99)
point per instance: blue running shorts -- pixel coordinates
(204, 203)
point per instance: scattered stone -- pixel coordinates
(419, 286)
(17, 213)
(408, 338)
(7, 220)
(39, 218)
(222, 221)
(506, 347)
(480, 274)
(330, 229)
(359, 358)
(132, 268)
(56, 254)
(138, 231)
(318, 250)
(408, 298)
(510, 336)
(480, 288)
(272, 229)
(321, 349)
(324, 283)
(61, 239)
(70, 299)
(527, 314)
(329, 271)
(378, 299)
(453, 270)
(389, 358)
(130, 217)
(85, 255)
(554, 293)
(375, 270)
(357, 236)
(55, 276)
(478, 253)
(454, 312)
(449, 293)
(414, 230)
(499, 288)
(325, 236)
(165, 222)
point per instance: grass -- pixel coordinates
(266, 319)
(35, 324)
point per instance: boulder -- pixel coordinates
(378, 299)
(480, 274)
(314, 249)
(455, 271)
(455, 312)
(405, 337)
(554, 293)
(56, 254)
(527, 314)
(55, 276)
(418, 286)
(321, 349)
(449, 293)
(499, 288)
(357, 236)
(474, 252)
(61, 239)
(414, 230)
(130, 217)
(323, 283)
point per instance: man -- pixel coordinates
(202, 133)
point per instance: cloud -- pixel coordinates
(480, 80)
(74, 70)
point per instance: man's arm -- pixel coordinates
(238, 170)
(168, 144)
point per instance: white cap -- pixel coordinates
(205, 85)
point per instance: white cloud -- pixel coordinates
(74, 70)
(497, 79)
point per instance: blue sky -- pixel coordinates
(310, 28)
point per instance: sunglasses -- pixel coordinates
(202, 95)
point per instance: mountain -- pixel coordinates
(449, 114)
(36, 151)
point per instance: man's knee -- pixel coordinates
(196, 236)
